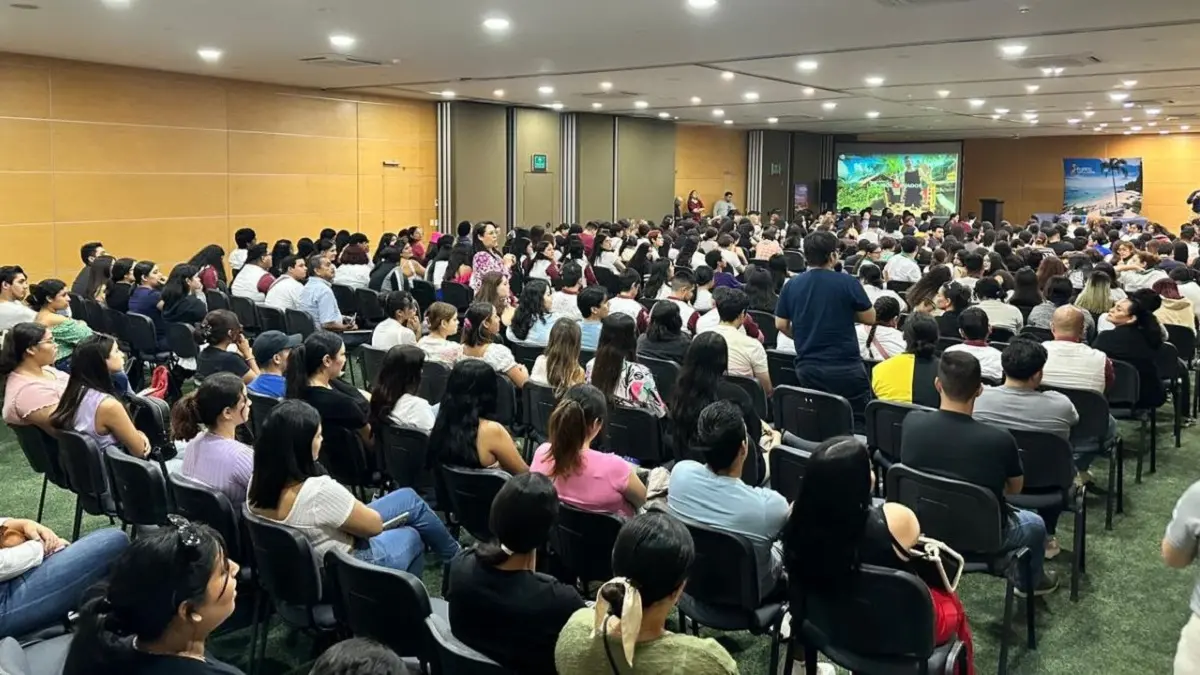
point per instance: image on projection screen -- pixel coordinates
(917, 182)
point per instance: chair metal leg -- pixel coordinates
(773, 665)
(1077, 554)
(42, 501)
(1121, 475)
(1114, 458)
(1030, 602)
(1180, 411)
(682, 622)
(1154, 441)
(78, 519)
(810, 660)
(789, 656)
(1006, 627)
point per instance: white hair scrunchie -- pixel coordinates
(631, 616)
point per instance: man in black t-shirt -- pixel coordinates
(948, 442)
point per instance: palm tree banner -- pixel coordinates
(1109, 187)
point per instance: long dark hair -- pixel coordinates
(929, 284)
(886, 309)
(921, 335)
(141, 270)
(686, 250)
(20, 339)
(617, 344)
(829, 516)
(654, 552)
(212, 255)
(120, 268)
(89, 370)
(660, 275)
(204, 405)
(175, 289)
(283, 452)
(760, 288)
(399, 374)
(581, 407)
(459, 256)
(704, 365)
(1025, 292)
(641, 259)
(41, 293)
(98, 273)
(308, 358)
(146, 584)
(218, 326)
(474, 330)
(1142, 305)
(520, 519)
(531, 308)
(470, 395)
(666, 324)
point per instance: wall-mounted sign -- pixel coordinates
(539, 163)
(776, 168)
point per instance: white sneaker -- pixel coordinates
(822, 668)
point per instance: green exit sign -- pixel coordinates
(539, 163)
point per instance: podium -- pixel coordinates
(991, 210)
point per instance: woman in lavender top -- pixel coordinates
(208, 418)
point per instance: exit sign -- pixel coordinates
(539, 163)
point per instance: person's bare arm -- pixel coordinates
(764, 379)
(41, 419)
(1014, 485)
(363, 522)
(1175, 557)
(784, 326)
(111, 418)
(635, 491)
(866, 317)
(500, 444)
(518, 375)
(903, 524)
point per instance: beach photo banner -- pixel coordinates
(1108, 187)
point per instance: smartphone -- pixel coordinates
(399, 521)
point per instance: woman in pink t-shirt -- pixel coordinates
(32, 387)
(586, 479)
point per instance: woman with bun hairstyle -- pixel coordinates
(1136, 338)
(207, 419)
(221, 330)
(49, 297)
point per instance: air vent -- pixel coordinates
(916, 3)
(340, 61)
(1054, 61)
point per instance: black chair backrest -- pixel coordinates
(369, 307)
(1167, 359)
(77, 309)
(946, 342)
(507, 408)
(346, 299)
(1001, 334)
(271, 318)
(963, 515)
(766, 324)
(41, 450)
(795, 261)
(84, 467)
(586, 355)
(139, 489)
(636, 433)
(899, 286)
(433, 381)
(118, 324)
(539, 400)
(457, 294)
(1042, 334)
(181, 340)
(788, 466)
(782, 368)
(385, 605)
(298, 323)
(424, 293)
(454, 657)
(93, 315)
(246, 311)
(525, 354)
(884, 614)
(758, 396)
(1093, 413)
(142, 337)
(584, 542)
(666, 373)
(152, 416)
(260, 408)
(372, 362)
(343, 456)
(884, 422)
(725, 573)
(608, 279)
(1126, 388)
(284, 560)
(216, 299)
(471, 494)
(203, 504)
(812, 415)
(1184, 340)
(1046, 458)
(405, 454)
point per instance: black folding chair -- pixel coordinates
(181, 340)
(372, 362)
(525, 354)
(260, 408)
(346, 300)
(471, 492)
(143, 340)
(139, 489)
(788, 466)
(298, 323)
(508, 408)
(1123, 398)
(1093, 427)
(370, 310)
(83, 465)
(1173, 372)
(456, 658)
(433, 381)
(203, 504)
(795, 261)
(609, 280)
(812, 415)
(635, 433)
(538, 401)
(584, 542)
(968, 518)
(216, 299)
(1039, 334)
(766, 324)
(41, 451)
(458, 295)
(665, 375)
(247, 314)
(945, 343)
(424, 293)
(885, 419)
(405, 456)
(1001, 334)
(782, 368)
(118, 326)
(758, 395)
(77, 309)
(271, 318)
(93, 316)
(343, 455)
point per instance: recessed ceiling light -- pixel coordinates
(1118, 95)
(448, 94)
(995, 117)
(606, 86)
(873, 80)
(702, 4)
(829, 105)
(1129, 83)
(1029, 116)
(1135, 128)
(597, 105)
(807, 65)
(1153, 111)
(1184, 127)
(1126, 119)
(727, 76)
(545, 89)
(641, 105)
(1034, 121)
(1151, 124)
(943, 92)
(775, 120)
(872, 114)
(1128, 104)
(750, 96)
(695, 100)
(1031, 88)
(728, 121)
(1127, 133)
(556, 106)
(341, 41)
(1013, 49)
(1097, 128)
(809, 91)
(717, 112)
(1102, 125)
(976, 102)
(496, 24)
(117, 4)
(675, 117)
(1002, 111)
(1073, 120)
(498, 93)
(209, 55)
(664, 115)
(1164, 132)
(1089, 113)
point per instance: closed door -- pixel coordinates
(537, 199)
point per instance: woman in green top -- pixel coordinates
(49, 297)
(625, 634)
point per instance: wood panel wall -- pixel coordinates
(157, 165)
(1027, 173)
(711, 161)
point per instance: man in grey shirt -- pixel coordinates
(14, 286)
(1178, 551)
(1018, 404)
(724, 206)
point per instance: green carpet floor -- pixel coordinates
(1127, 620)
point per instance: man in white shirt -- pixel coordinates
(254, 280)
(285, 292)
(747, 357)
(565, 301)
(974, 328)
(14, 286)
(902, 267)
(683, 287)
(722, 208)
(630, 285)
(245, 238)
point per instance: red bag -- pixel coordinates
(158, 383)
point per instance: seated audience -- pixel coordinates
(403, 323)
(994, 461)
(118, 289)
(254, 279)
(714, 494)
(533, 318)
(359, 656)
(974, 329)
(665, 338)
(652, 557)
(872, 283)
(586, 479)
(952, 300)
(1099, 293)
(658, 283)
(88, 254)
(542, 265)
(271, 352)
(1176, 310)
(220, 331)
(909, 377)
(208, 419)
(835, 514)
(904, 267)
(1136, 339)
(922, 296)
(49, 297)
(1139, 272)
(285, 291)
(210, 266)
(1000, 314)
(287, 487)
(615, 372)
(166, 593)
(463, 433)
(386, 275)
(747, 358)
(717, 260)
(1027, 292)
(410, 266)
(1059, 292)
(500, 605)
(394, 397)
(182, 300)
(876, 342)
(314, 371)
(317, 301)
(354, 267)
(443, 323)
(629, 286)
(1071, 363)
(481, 326)
(1185, 279)
(565, 301)
(244, 238)
(593, 305)
(91, 404)
(32, 386)
(702, 280)
(558, 366)
(496, 291)
(14, 287)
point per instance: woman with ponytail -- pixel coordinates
(908, 377)
(480, 327)
(32, 386)
(1135, 338)
(593, 481)
(92, 405)
(882, 339)
(652, 557)
(167, 592)
(208, 419)
(221, 330)
(499, 604)
(48, 298)
(313, 375)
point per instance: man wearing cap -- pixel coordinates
(271, 350)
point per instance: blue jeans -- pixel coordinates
(403, 548)
(41, 597)
(1088, 450)
(1026, 528)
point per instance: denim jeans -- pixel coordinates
(403, 548)
(1026, 528)
(1087, 451)
(41, 597)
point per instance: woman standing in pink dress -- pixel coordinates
(487, 255)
